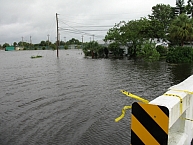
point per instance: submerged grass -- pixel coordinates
(37, 56)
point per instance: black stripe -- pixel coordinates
(151, 126)
(165, 110)
(192, 142)
(135, 140)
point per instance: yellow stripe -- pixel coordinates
(141, 132)
(157, 115)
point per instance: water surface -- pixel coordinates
(72, 100)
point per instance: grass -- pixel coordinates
(37, 56)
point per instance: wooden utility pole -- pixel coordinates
(82, 41)
(57, 33)
(48, 40)
(30, 43)
(22, 40)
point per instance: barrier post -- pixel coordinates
(178, 100)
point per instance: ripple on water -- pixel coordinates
(73, 100)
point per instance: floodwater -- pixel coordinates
(72, 100)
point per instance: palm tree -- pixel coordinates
(189, 8)
(181, 29)
(180, 5)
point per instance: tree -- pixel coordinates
(42, 43)
(20, 43)
(189, 8)
(48, 43)
(115, 48)
(114, 34)
(161, 18)
(15, 44)
(130, 34)
(5, 45)
(181, 30)
(53, 46)
(73, 41)
(93, 49)
(181, 6)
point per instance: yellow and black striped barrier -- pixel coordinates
(149, 124)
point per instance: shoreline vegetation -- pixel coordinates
(170, 27)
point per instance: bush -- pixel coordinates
(162, 50)
(43, 48)
(180, 55)
(65, 47)
(148, 52)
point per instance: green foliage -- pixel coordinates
(35, 48)
(43, 48)
(73, 41)
(189, 8)
(162, 50)
(53, 46)
(5, 45)
(160, 18)
(15, 44)
(93, 49)
(180, 55)
(65, 47)
(42, 43)
(181, 6)
(181, 30)
(115, 49)
(148, 52)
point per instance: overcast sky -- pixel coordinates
(88, 18)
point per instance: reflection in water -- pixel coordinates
(73, 100)
(180, 72)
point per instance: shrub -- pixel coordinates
(148, 52)
(180, 55)
(162, 50)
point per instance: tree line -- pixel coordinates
(170, 24)
(43, 44)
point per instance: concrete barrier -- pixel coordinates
(179, 101)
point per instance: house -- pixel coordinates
(9, 48)
(19, 48)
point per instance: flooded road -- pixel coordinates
(73, 100)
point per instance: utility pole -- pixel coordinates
(93, 37)
(57, 33)
(82, 41)
(48, 40)
(59, 39)
(22, 40)
(64, 39)
(30, 42)
(64, 42)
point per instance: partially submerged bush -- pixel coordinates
(148, 52)
(180, 55)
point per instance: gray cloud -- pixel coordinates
(36, 18)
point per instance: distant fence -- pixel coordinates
(167, 120)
